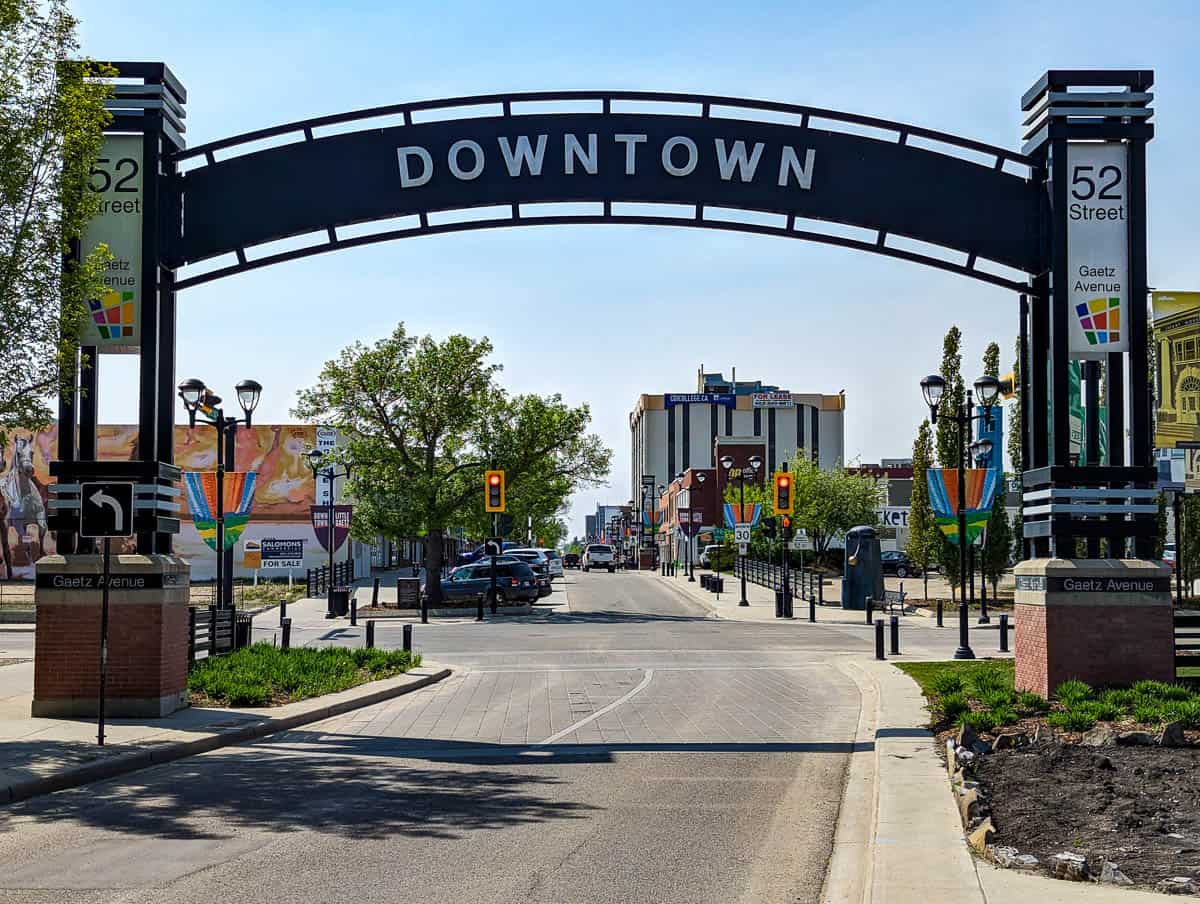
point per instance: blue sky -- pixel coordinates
(603, 313)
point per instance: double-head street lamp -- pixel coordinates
(987, 388)
(316, 463)
(199, 399)
(755, 464)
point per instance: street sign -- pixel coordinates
(743, 548)
(282, 553)
(741, 534)
(106, 510)
(800, 540)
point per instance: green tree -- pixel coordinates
(51, 122)
(998, 545)
(924, 536)
(1014, 450)
(830, 502)
(424, 419)
(947, 439)
(1160, 523)
(991, 360)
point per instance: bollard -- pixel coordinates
(894, 625)
(1004, 633)
(282, 610)
(370, 633)
(375, 593)
(879, 639)
(870, 608)
(939, 614)
(812, 608)
(286, 624)
(779, 604)
(397, 593)
(408, 638)
(353, 609)
(788, 611)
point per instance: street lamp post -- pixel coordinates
(315, 460)
(987, 388)
(700, 478)
(755, 464)
(198, 398)
(982, 450)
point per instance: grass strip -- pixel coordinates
(265, 675)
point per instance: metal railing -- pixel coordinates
(807, 584)
(317, 579)
(213, 632)
(1187, 641)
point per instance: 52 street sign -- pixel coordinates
(106, 510)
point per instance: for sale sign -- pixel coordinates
(285, 553)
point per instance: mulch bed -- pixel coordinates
(1136, 806)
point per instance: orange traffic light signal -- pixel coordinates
(494, 498)
(783, 493)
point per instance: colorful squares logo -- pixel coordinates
(113, 314)
(1100, 319)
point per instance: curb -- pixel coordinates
(133, 762)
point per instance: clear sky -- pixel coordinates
(603, 313)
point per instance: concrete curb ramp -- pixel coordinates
(308, 711)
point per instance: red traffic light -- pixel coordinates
(784, 481)
(494, 480)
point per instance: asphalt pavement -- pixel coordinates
(633, 748)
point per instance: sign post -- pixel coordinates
(106, 511)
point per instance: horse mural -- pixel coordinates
(22, 505)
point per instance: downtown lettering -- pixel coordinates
(679, 156)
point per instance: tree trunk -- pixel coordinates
(925, 578)
(433, 566)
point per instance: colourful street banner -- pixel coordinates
(980, 494)
(342, 515)
(651, 521)
(737, 513)
(200, 487)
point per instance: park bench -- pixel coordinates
(893, 600)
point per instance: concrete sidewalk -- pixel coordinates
(38, 756)
(920, 638)
(899, 836)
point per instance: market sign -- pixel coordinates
(1098, 248)
(114, 318)
(773, 400)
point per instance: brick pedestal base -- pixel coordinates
(1102, 621)
(147, 636)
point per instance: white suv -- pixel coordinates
(597, 555)
(554, 560)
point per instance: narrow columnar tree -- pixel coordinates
(924, 537)
(1014, 449)
(947, 440)
(997, 548)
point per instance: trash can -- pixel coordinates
(341, 601)
(242, 630)
(863, 575)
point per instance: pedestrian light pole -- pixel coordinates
(987, 388)
(316, 463)
(755, 464)
(199, 399)
(691, 531)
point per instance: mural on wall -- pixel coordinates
(283, 493)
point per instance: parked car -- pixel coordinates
(598, 555)
(1169, 555)
(554, 560)
(536, 560)
(515, 580)
(570, 560)
(897, 563)
(707, 553)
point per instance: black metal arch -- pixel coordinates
(953, 194)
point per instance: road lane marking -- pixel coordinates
(600, 712)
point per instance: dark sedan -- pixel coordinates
(515, 582)
(571, 560)
(897, 563)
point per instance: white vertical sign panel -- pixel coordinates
(1098, 248)
(114, 319)
(326, 443)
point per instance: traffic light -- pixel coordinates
(785, 522)
(494, 482)
(768, 528)
(783, 493)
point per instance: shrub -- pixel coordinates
(1031, 702)
(1185, 711)
(983, 720)
(997, 699)
(953, 706)
(1004, 715)
(1122, 698)
(1160, 690)
(1070, 693)
(1072, 720)
(946, 683)
(991, 679)
(1149, 712)
(1102, 710)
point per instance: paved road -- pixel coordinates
(632, 750)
